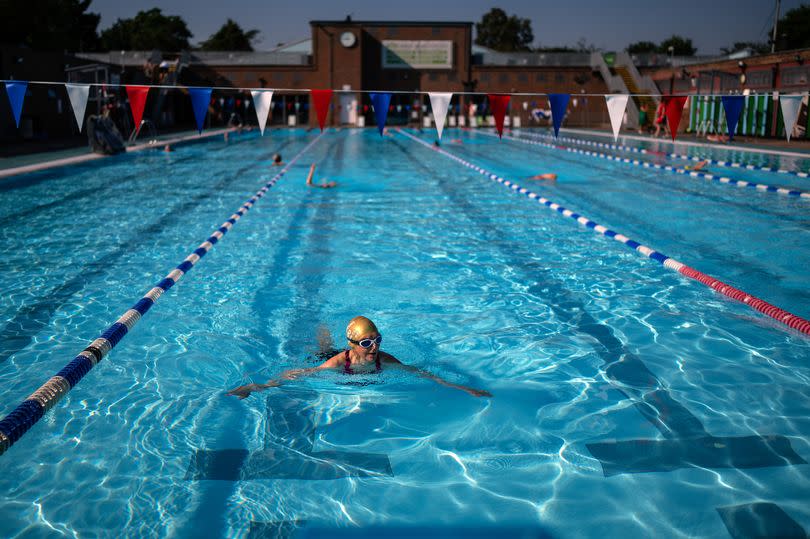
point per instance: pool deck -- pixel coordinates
(46, 163)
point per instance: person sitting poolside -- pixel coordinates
(548, 176)
(323, 185)
(363, 355)
(700, 165)
(277, 162)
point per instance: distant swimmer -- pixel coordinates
(700, 165)
(548, 176)
(168, 148)
(323, 185)
(717, 138)
(362, 356)
(277, 162)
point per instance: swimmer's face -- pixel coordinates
(366, 354)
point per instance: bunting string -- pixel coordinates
(496, 104)
(359, 91)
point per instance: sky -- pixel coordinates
(607, 24)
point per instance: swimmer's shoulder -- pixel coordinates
(333, 362)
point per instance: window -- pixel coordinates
(540, 78)
(503, 78)
(559, 77)
(523, 77)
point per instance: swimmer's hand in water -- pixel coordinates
(244, 391)
(478, 392)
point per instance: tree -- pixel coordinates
(680, 45)
(502, 33)
(49, 25)
(230, 37)
(642, 47)
(147, 30)
(758, 48)
(793, 29)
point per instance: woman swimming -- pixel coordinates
(363, 355)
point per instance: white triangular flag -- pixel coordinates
(616, 105)
(439, 103)
(262, 99)
(78, 94)
(790, 111)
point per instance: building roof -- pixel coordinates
(351, 22)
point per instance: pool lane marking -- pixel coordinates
(693, 173)
(780, 315)
(729, 164)
(31, 410)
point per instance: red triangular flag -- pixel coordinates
(322, 99)
(673, 105)
(137, 101)
(498, 104)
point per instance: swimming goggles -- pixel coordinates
(366, 343)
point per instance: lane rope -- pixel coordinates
(780, 315)
(804, 195)
(632, 149)
(33, 408)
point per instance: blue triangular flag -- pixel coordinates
(200, 97)
(16, 94)
(733, 105)
(380, 102)
(558, 102)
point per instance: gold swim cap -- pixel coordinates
(360, 325)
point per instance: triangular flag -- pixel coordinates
(673, 105)
(733, 105)
(262, 99)
(791, 104)
(137, 101)
(380, 102)
(498, 104)
(616, 105)
(16, 94)
(199, 103)
(439, 103)
(558, 102)
(321, 99)
(78, 94)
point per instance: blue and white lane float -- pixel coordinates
(804, 195)
(729, 164)
(31, 410)
(780, 315)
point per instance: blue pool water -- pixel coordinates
(628, 400)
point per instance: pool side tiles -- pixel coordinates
(791, 320)
(31, 410)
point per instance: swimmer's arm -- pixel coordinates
(311, 174)
(292, 374)
(388, 358)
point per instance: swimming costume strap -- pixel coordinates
(347, 366)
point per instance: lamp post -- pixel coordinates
(671, 54)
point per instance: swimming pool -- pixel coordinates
(628, 399)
